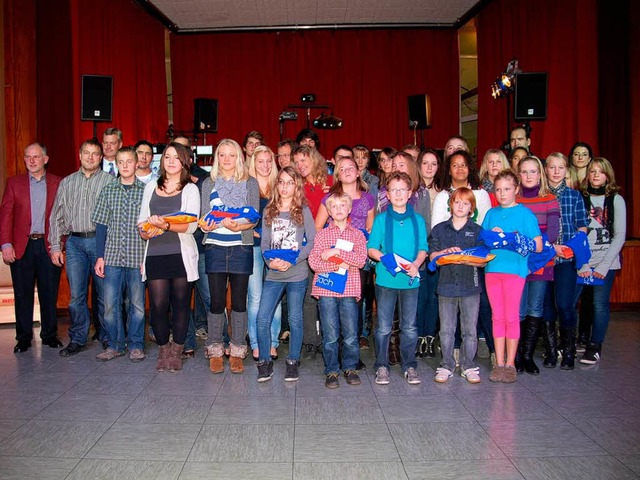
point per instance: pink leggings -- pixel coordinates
(504, 291)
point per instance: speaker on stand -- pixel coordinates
(419, 107)
(97, 99)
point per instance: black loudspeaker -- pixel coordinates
(531, 96)
(205, 115)
(97, 97)
(419, 111)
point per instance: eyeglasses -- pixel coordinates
(286, 183)
(396, 191)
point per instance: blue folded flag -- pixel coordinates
(511, 241)
(537, 260)
(245, 214)
(287, 255)
(580, 246)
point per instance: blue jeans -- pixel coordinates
(566, 293)
(271, 295)
(81, 258)
(202, 296)
(601, 312)
(532, 301)
(116, 281)
(254, 294)
(468, 308)
(387, 298)
(427, 319)
(339, 316)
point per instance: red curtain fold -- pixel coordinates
(364, 75)
(545, 36)
(101, 37)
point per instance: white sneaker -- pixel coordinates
(442, 375)
(412, 376)
(472, 375)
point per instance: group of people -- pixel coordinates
(277, 249)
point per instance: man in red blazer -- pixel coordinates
(24, 228)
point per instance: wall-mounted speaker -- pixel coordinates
(531, 96)
(419, 111)
(205, 115)
(97, 98)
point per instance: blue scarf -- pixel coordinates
(392, 216)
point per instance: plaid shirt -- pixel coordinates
(573, 214)
(118, 208)
(327, 238)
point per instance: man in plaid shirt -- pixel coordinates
(120, 250)
(339, 246)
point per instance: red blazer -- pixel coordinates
(15, 211)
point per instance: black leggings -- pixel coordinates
(239, 283)
(165, 291)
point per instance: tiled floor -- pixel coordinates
(76, 418)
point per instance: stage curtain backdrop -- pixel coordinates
(100, 37)
(364, 75)
(545, 36)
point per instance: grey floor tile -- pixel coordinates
(252, 410)
(372, 442)
(35, 383)
(168, 409)
(414, 409)
(443, 441)
(507, 405)
(559, 468)
(96, 469)
(17, 405)
(463, 470)
(75, 365)
(9, 425)
(99, 383)
(616, 435)
(45, 438)
(597, 403)
(244, 443)
(86, 408)
(313, 386)
(399, 386)
(122, 365)
(541, 438)
(185, 383)
(143, 441)
(247, 385)
(236, 471)
(555, 380)
(352, 470)
(21, 468)
(337, 410)
(631, 461)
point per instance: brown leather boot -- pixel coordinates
(238, 352)
(163, 358)
(175, 357)
(214, 353)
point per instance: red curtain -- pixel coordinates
(101, 37)
(545, 36)
(364, 75)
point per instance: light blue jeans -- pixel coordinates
(116, 281)
(254, 293)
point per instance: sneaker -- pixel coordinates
(108, 354)
(412, 376)
(590, 357)
(472, 375)
(332, 381)
(71, 349)
(292, 374)
(442, 375)
(202, 333)
(364, 343)
(265, 371)
(352, 377)
(382, 376)
(496, 374)
(136, 355)
(483, 349)
(494, 360)
(509, 374)
(456, 356)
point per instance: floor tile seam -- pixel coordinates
(595, 440)
(395, 444)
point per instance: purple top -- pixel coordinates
(359, 209)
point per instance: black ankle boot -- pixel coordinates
(518, 360)
(592, 353)
(431, 347)
(550, 339)
(529, 344)
(568, 345)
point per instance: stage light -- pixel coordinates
(505, 83)
(327, 122)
